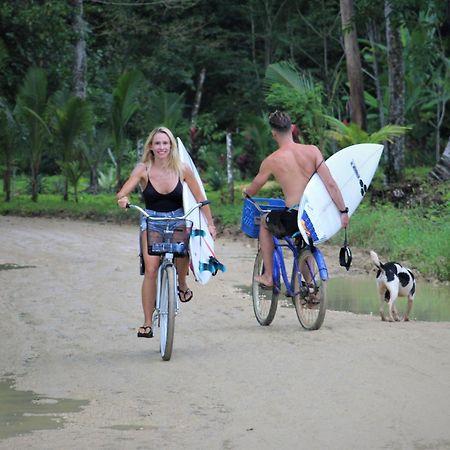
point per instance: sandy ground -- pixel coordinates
(68, 331)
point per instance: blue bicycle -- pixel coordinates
(307, 283)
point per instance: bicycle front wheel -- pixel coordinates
(310, 297)
(265, 301)
(167, 308)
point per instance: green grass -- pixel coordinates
(417, 236)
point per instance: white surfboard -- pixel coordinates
(201, 244)
(353, 169)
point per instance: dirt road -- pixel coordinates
(68, 331)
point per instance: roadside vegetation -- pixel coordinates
(413, 227)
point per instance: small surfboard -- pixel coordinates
(201, 244)
(353, 169)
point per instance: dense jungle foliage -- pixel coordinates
(84, 81)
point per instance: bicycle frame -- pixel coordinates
(279, 265)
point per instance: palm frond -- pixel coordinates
(388, 132)
(286, 74)
(125, 95)
(33, 93)
(166, 108)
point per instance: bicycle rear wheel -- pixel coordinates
(265, 301)
(167, 308)
(310, 298)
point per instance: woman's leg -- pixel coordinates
(182, 265)
(149, 283)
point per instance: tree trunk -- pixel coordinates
(79, 72)
(268, 34)
(441, 170)
(7, 175)
(354, 69)
(396, 149)
(198, 96)
(230, 167)
(372, 31)
(34, 183)
(7, 182)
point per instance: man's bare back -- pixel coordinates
(292, 166)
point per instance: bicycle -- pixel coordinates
(308, 281)
(167, 237)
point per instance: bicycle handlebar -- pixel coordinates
(145, 213)
(249, 197)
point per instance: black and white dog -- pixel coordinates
(394, 280)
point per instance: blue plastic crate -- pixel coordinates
(251, 216)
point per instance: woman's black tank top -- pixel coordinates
(163, 202)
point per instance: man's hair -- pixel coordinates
(280, 121)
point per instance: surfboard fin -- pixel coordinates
(213, 265)
(198, 232)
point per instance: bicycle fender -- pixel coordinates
(276, 270)
(321, 264)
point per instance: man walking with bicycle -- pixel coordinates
(292, 165)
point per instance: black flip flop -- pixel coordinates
(187, 295)
(147, 334)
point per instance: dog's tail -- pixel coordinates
(376, 260)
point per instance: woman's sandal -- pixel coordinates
(185, 296)
(148, 332)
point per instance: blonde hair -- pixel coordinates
(148, 158)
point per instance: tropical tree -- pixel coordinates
(124, 106)
(8, 144)
(72, 119)
(299, 94)
(32, 108)
(257, 145)
(94, 146)
(349, 134)
(166, 108)
(354, 68)
(80, 66)
(396, 148)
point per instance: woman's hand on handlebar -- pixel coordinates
(123, 202)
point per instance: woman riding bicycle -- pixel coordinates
(160, 175)
(292, 165)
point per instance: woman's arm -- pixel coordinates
(193, 185)
(129, 185)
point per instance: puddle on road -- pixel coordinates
(25, 411)
(359, 295)
(11, 266)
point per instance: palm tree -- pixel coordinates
(258, 137)
(31, 109)
(94, 146)
(124, 106)
(346, 135)
(166, 108)
(72, 119)
(297, 93)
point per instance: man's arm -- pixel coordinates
(334, 191)
(260, 180)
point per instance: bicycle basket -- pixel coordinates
(251, 216)
(168, 236)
